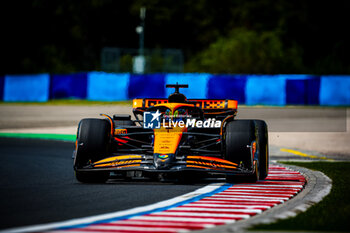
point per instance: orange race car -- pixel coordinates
(171, 138)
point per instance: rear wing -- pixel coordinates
(214, 104)
(209, 106)
(200, 103)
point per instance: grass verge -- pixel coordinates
(332, 213)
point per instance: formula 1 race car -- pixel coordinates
(172, 137)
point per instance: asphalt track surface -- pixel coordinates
(38, 186)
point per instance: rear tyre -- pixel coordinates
(263, 148)
(92, 145)
(239, 135)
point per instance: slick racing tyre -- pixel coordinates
(239, 135)
(92, 145)
(263, 148)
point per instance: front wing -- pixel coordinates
(145, 163)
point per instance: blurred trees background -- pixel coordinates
(226, 36)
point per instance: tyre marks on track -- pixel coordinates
(240, 201)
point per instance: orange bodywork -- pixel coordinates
(166, 140)
(212, 104)
(110, 121)
(120, 131)
(201, 103)
(174, 106)
(120, 161)
(168, 137)
(209, 162)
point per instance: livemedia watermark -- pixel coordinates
(153, 120)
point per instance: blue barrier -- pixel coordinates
(147, 86)
(265, 89)
(24, 88)
(197, 84)
(2, 87)
(247, 89)
(103, 86)
(335, 90)
(63, 86)
(302, 90)
(227, 87)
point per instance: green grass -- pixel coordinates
(332, 213)
(70, 102)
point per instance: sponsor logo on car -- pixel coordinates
(120, 131)
(153, 120)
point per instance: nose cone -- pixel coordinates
(166, 141)
(163, 161)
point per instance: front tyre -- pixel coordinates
(92, 145)
(263, 148)
(239, 134)
(238, 137)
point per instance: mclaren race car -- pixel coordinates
(172, 137)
